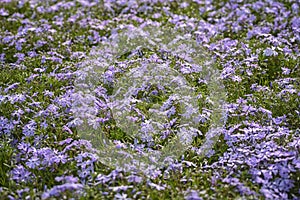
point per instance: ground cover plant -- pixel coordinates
(255, 47)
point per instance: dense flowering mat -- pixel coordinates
(47, 153)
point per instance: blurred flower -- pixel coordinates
(270, 52)
(192, 195)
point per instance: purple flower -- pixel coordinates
(33, 162)
(11, 87)
(32, 54)
(7, 39)
(29, 129)
(66, 141)
(295, 8)
(60, 158)
(279, 120)
(155, 186)
(193, 195)
(56, 191)
(134, 179)
(20, 174)
(267, 193)
(103, 179)
(120, 188)
(3, 12)
(67, 179)
(20, 57)
(270, 52)
(285, 71)
(121, 196)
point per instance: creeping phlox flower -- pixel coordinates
(255, 45)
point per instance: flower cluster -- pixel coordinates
(44, 45)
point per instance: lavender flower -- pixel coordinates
(193, 195)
